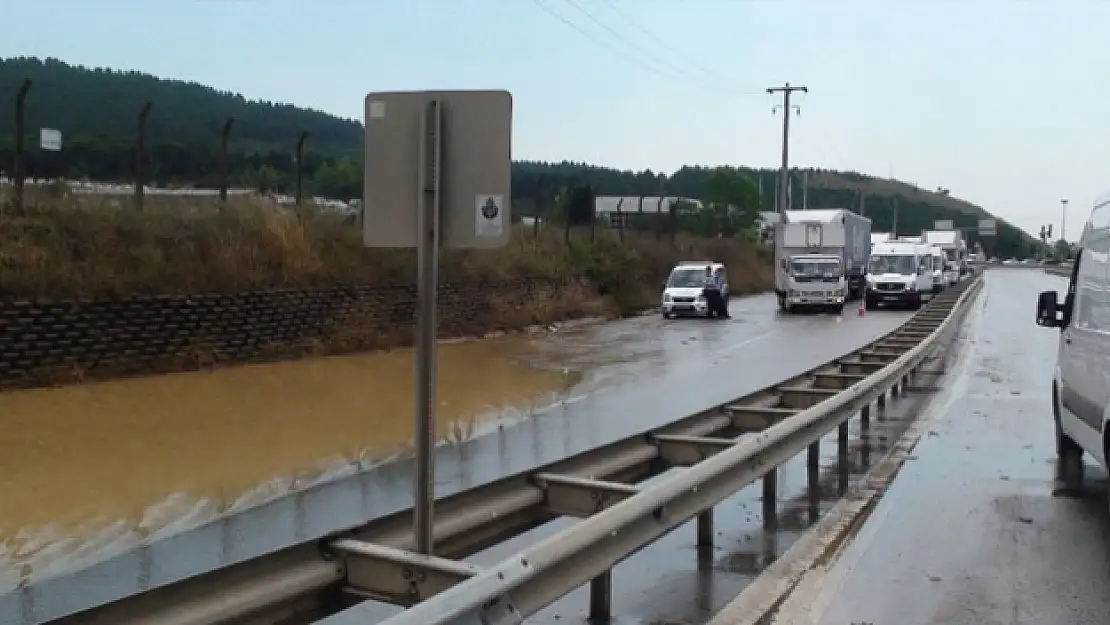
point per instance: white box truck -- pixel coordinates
(955, 252)
(821, 258)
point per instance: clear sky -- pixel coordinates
(1005, 102)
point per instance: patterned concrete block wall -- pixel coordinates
(57, 342)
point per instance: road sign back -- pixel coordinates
(475, 162)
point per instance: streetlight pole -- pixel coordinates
(1063, 218)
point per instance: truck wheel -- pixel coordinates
(666, 315)
(915, 303)
(839, 308)
(870, 302)
(1069, 455)
(782, 303)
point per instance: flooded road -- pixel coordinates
(112, 450)
(563, 392)
(974, 529)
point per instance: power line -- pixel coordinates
(662, 42)
(617, 49)
(600, 42)
(605, 27)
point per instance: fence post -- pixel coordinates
(224, 134)
(20, 120)
(657, 220)
(140, 155)
(300, 167)
(620, 219)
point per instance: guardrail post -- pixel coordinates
(842, 457)
(705, 528)
(813, 466)
(601, 598)
(770, 498)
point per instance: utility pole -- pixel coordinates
(784, 173)
(1063, 218)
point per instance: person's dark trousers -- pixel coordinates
(716, 302)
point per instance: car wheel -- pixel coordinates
(1069, 455)
(666, 315)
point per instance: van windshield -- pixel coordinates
(902, 264)
(686, 278)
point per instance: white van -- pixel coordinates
(682, 292)
(1080, 394)
(940, 280)
(899, 273)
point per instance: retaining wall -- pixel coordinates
(63, 341)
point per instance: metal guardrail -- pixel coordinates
(531, 580)
(724, 449)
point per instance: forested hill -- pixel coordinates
(97, 109)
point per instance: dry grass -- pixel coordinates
(84, 246)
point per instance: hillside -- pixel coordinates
(183, 137)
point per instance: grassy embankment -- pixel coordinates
(86, 246)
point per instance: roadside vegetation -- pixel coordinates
(66, 246)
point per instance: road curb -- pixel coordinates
(819, 547)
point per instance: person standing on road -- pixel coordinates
(711, 290)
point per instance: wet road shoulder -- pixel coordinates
(974, 529)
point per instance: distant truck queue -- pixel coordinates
(825, 258)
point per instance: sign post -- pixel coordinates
(988, 228)
(437, 172)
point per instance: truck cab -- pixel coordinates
(899, 273)
(955, 253)
(814, 280)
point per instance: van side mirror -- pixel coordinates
(1048, 310)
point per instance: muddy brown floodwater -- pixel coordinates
(74, 460)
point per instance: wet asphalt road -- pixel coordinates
(974, 529)
(674, 582)
(639, 373)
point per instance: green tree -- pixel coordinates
(1063, 250)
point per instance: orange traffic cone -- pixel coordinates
(861, 310)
